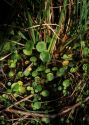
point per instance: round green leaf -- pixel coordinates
(41, 46)
(29, 88)
(47, 70)
(12, 63)
(33, 59)
(45, 56)
(44, 93)
(50, 76)
(38, 88)
(11, 74)
(45, 120)
(36, 105)
(22, 89)
(15, 87)
(73, 69)
(34, 73)
(66, 83)
(40, 68)
(27, 52)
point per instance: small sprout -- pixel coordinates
(45, 93)
(73, 69)
(37, 79)
(33, 59)
(41, 46)
(36, 105)
(16, 56)
(50, 76)
(85, 67)
(34, 73)
(19, 74)
(15, 87)
(61, 71)
(20, 83)
(66, 83)
(40, 68)
(67, 57)
(47, 70)
(11, 74)
(45, 56)
(45, 120)
(22, 89)
(38, 88)
(18, 87)
(12, 63)
(82, 44)
(29, 88)
(7, 46)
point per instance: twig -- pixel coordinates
(2, 58)
(33, 114)
(22, 100)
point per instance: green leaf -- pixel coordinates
(73, 69)
(83, 44)
(66, 83)
(36, 105)
(38, 88)
(22, 89)
(45, 56)
(29, 45)
(29, 88)
(7, 46)
(12, 63)
(33, 59)
(37, 79)
(61, 71)
(86, 67)
(47, 70)
(34, 73)
(50, 76)
(40, 68)
(11, 74)
(41, 46)
(27, 52)
(45, 120)
(19, 74)
(44, 93)
(85, 51)
(67, 57)
(15, 87)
